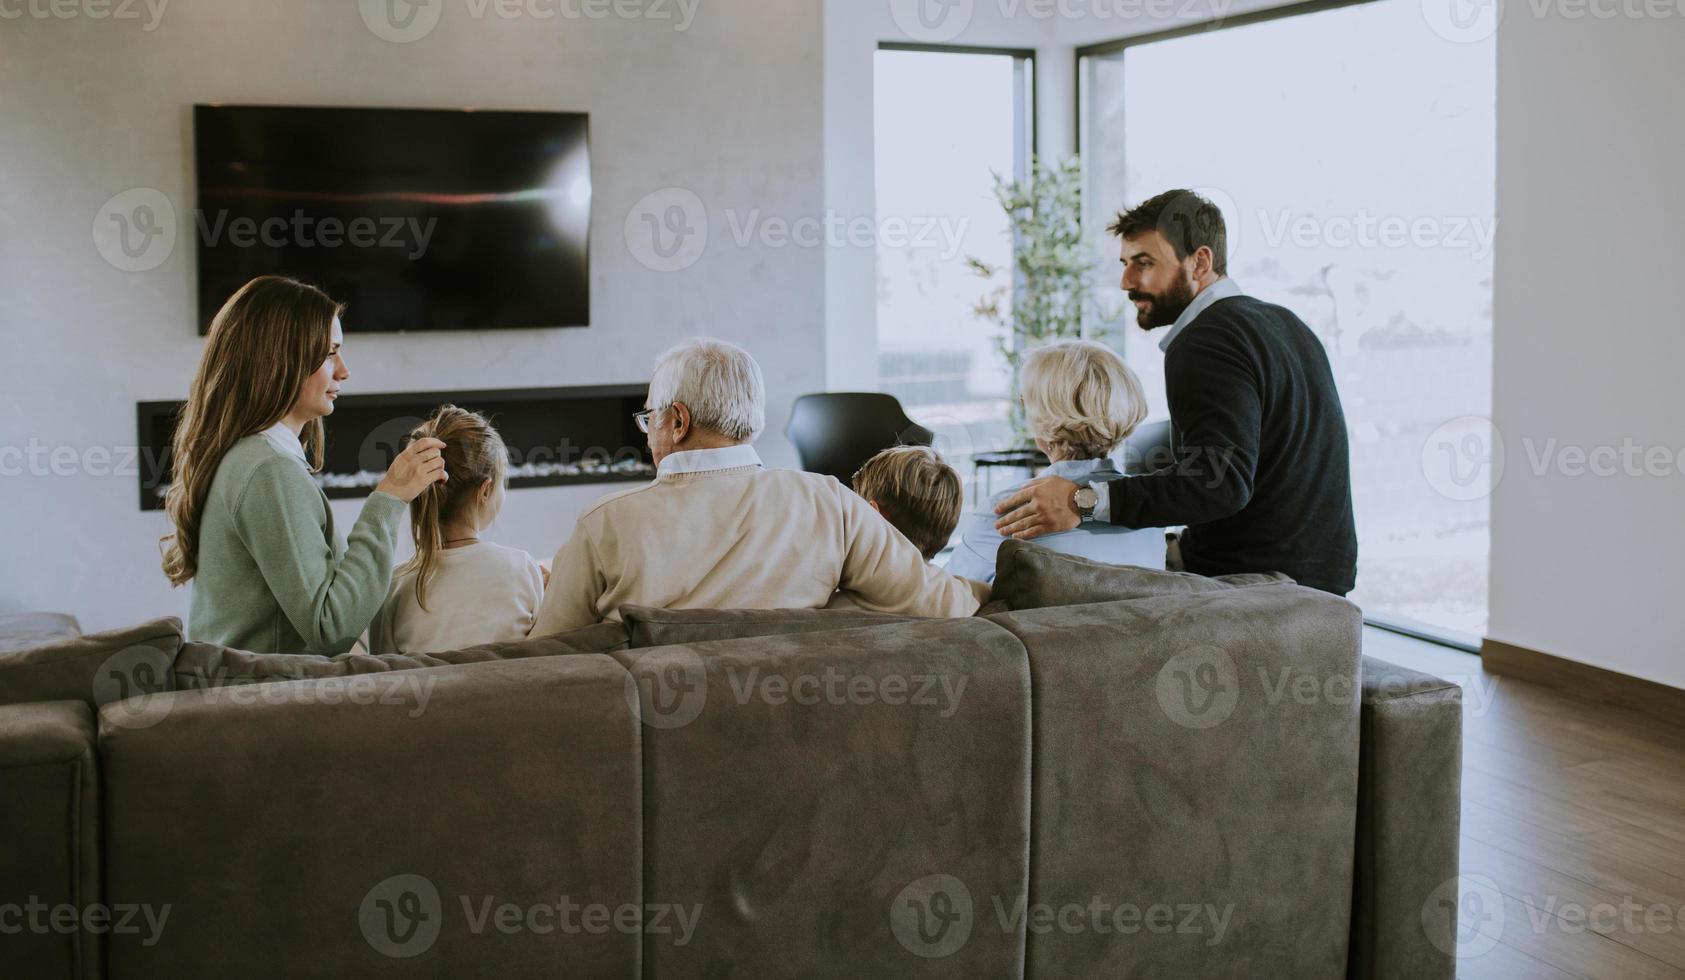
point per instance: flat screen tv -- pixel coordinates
(418, 219)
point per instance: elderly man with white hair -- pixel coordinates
(717, 530)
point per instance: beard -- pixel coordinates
(1163, 308)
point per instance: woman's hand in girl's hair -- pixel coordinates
(418, 467)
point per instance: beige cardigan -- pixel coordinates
(744, 537)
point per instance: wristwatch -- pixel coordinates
(1085, 500)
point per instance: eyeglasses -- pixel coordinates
(643, 418)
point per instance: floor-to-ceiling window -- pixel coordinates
(947, 121)
(1351, 150)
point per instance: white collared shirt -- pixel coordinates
(285, 439)
(1221, 289)
(703, 460)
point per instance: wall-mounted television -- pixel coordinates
(418, 219)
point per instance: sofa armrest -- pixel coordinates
(1408, 822)
(49, 805)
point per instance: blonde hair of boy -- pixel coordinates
(916, 492)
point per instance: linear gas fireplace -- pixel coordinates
(555, 436)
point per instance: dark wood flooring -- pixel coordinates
(1573, 812)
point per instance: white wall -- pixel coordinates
(853, 31)
(728, 107)
(1588, 342)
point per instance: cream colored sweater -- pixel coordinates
(718, 531)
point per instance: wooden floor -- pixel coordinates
(1573, 821)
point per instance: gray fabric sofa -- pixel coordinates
(1202, 779)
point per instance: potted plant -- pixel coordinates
(1048, 293)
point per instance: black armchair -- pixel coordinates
(835, 432)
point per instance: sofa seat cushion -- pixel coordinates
(1029, 576)
(651, 627)
(20, 631)
(206, 665)
(95, 668)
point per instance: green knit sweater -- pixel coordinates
(273, 577)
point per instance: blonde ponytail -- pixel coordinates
(473, 454)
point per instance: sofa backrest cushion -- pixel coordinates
(95, 668)
(1195, 755)
(206, 665)
(389, 833)
(817, 794)
(651, 627)
(1029, 576)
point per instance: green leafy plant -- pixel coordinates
(1048, 292)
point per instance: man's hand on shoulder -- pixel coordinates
(1043, 506)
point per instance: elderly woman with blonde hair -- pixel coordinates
(1081, 402)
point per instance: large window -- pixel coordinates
(1351, 150)
(947, 121)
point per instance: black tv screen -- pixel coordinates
(418, 219)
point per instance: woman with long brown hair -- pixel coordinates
(253, 531)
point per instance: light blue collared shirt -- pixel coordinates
(703, 460)
(1221, 289)
(974, 555)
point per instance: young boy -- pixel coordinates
(916, 492)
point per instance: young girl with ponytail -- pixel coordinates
(252, 530)
(459, 590)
